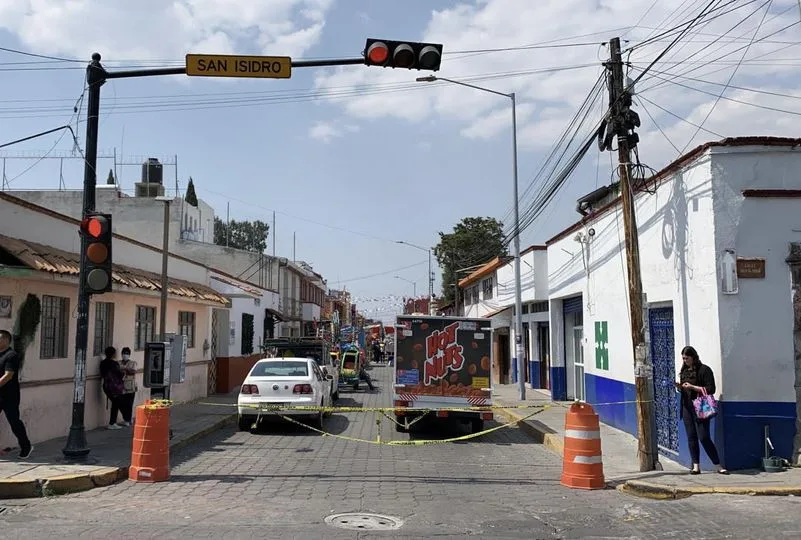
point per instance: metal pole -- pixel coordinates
(430, 285)
(519, 349)
(165, 258)
(76, 448)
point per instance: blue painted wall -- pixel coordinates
(559, 383)
(534, 372)
(737, 430)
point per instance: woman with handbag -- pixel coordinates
(697, 386)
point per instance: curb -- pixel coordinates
(553, 442)
(651, 490)
(102, 477)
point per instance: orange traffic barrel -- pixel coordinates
(582, 464)
(150, 452)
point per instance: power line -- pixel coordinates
(680, 117)
(734, 72)
(379, 274)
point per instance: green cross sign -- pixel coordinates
(601, 345)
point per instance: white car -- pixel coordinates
(283, 382)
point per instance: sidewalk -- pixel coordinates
(46, 473)
(621, 468)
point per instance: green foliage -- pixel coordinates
(191, 196)
(474, 240)
(247, 235)
(28, 318)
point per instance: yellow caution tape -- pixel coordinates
(379, 442)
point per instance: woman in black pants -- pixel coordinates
(694, 378)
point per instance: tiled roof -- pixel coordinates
(55, 261)
(250, 289)
(485, 270)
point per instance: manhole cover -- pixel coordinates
(364, 522)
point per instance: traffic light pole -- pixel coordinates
(77, 449)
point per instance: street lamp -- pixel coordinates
(430, 275)
(519, 350)
(414, 284)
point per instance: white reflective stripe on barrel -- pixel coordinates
(587, 460)
(582, 434)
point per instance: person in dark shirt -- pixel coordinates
(10, 393)
(112, 378)
(695, 378)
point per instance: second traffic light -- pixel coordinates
(403, 54)
(96, 230)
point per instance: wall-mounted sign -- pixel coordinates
(6, 302)
(750, 268)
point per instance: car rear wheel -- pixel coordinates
(246, 422)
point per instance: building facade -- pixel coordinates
(716, 233)
(38, 274)
(490, 292)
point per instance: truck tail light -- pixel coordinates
(302, 389)
(486, 416)
(250, 389)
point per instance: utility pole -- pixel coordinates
(621, 123)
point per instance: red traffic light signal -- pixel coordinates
(403, 54)
(96, 231)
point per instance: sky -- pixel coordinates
(353, 159)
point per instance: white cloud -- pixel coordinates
(161, 30)
(326, 131)
(548, 98)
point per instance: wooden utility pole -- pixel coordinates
(620, 124)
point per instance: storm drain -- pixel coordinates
(3, 509)
(364, 522)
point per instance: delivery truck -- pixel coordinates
(442, 363)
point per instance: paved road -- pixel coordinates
(284, 482)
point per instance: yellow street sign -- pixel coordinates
(223, 65)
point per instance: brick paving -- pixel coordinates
(283, 481)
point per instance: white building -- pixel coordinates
(715, 230)
(39, 258)
(490, 292)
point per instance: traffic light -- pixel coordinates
(96, 229)
(403, 54)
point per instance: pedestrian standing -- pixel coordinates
(696, 378)
(10, 393)
(128, 399)
(112, 377)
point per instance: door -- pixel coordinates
(578, 363)
(544, 341)
(503, 344)
(663, 356)
(529, 377)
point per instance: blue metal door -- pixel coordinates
(663, 355)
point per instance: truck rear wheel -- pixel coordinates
(477, 425)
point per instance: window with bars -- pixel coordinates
(145, 326)
(104, 327)
(186, 327)
(487, 287)
(55, 327)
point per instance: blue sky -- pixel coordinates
(352, 159)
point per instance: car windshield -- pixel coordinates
(287, 368)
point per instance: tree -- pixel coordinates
(191, 196)
(474, 240)
(247, 235)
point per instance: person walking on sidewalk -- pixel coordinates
(128, 398)
(10, 393)
(694, 379)
(112, 377)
